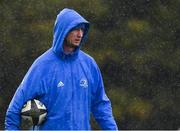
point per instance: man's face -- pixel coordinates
(74, 37)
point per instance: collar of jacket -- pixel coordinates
(69, 56)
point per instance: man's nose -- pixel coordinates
(80, 33)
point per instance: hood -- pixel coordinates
(66, 20)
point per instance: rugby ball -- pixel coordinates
(34, 111)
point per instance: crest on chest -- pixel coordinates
(83, 82)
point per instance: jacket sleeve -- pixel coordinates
(101, 105)
(30, 87)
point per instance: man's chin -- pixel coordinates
(73, 45)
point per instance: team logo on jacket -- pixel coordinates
(84, 83)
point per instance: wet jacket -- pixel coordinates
(70, 85)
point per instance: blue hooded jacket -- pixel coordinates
(70, 85)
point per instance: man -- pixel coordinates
(66, 80)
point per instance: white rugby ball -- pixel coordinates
(34, 111)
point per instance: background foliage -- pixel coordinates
(135, 43)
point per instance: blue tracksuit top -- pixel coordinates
(70, 85)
